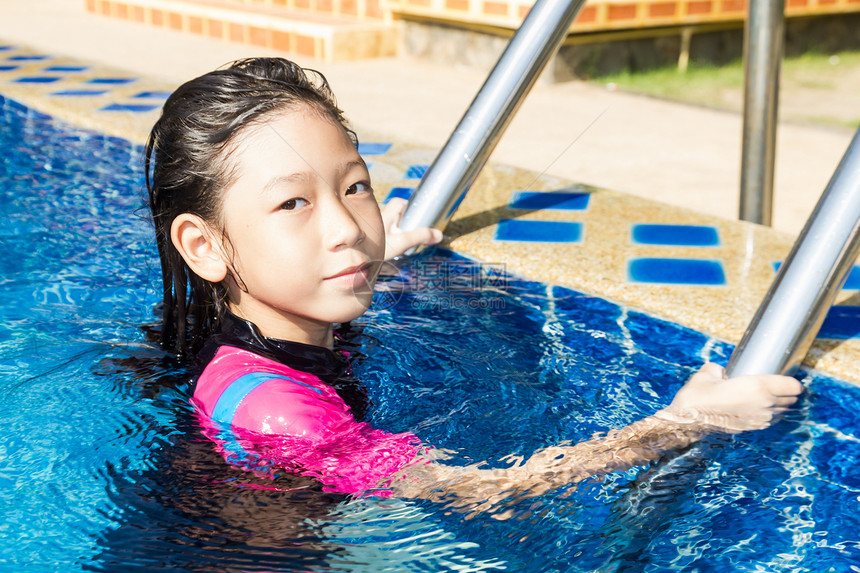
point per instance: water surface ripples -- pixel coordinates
(103, 466)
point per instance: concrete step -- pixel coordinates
(347, 32)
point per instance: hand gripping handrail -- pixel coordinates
(458, 164)
(807, 283)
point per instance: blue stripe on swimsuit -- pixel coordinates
(227, 404)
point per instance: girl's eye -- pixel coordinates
(293, 204)
(360, 187)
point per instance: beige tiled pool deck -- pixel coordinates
(630, 141)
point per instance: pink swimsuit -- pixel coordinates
(297, 422)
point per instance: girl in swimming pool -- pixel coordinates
(269, 235)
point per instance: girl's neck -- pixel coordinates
(304, 331)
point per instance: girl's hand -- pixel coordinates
(731, 405)
(398, 242)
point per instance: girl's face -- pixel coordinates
(306, 237)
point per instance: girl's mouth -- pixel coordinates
(354, 276)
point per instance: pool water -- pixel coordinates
(103, 467)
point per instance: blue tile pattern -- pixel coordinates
(373, 148)
(851, 283)
(36, 80)
(539, 231)
(111, 81)
(675, 235)
(416, 171)
(399, 192)
(853, 280)
(131, 107)
(69, 69)
(152, 95)
(8, 68)
(82, 93)
(28, 58)
(676, 271)
(557, 200)
(841, 323)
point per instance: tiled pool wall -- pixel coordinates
(700, 271)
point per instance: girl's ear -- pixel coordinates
(200, 246)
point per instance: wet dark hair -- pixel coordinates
(187, 170)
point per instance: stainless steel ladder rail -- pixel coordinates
(458, 164)
(764, 32)
(807, 283)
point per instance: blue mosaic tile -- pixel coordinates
(132, 107)
(28, 58)
(80, 92)
(853, 280)
(4, 48)
(66, 69)
(538, 231)
(111, 81)
(373, 148)
(675, 235)
(841, 323)
(676, 271)
(851, 283)
(399, 192)
(416, 171)
(557, 200)
(8, 68)
(36, 80)
(152, 95)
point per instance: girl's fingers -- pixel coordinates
(397, 241)
(712, 370)
(784, 400)
(783, 386)
(420, 236)
(400, 242)
(393, 211)
(774, 384)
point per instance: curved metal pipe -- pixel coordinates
(464, 155)
(807, 283)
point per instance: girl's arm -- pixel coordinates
(707, 403)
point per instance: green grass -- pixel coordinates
(819, 71)
(817, 63)
(701, 84)
(722, 86)
(832, 122)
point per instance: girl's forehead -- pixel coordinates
(293, 144)
(292, 128)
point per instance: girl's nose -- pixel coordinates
(343, 226)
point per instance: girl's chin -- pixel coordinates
(357, 307)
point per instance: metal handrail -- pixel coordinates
(458, 164)
(763, 46)
(807, 283)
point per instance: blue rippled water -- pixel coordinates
(102, 467)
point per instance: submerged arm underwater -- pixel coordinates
(708, 403)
